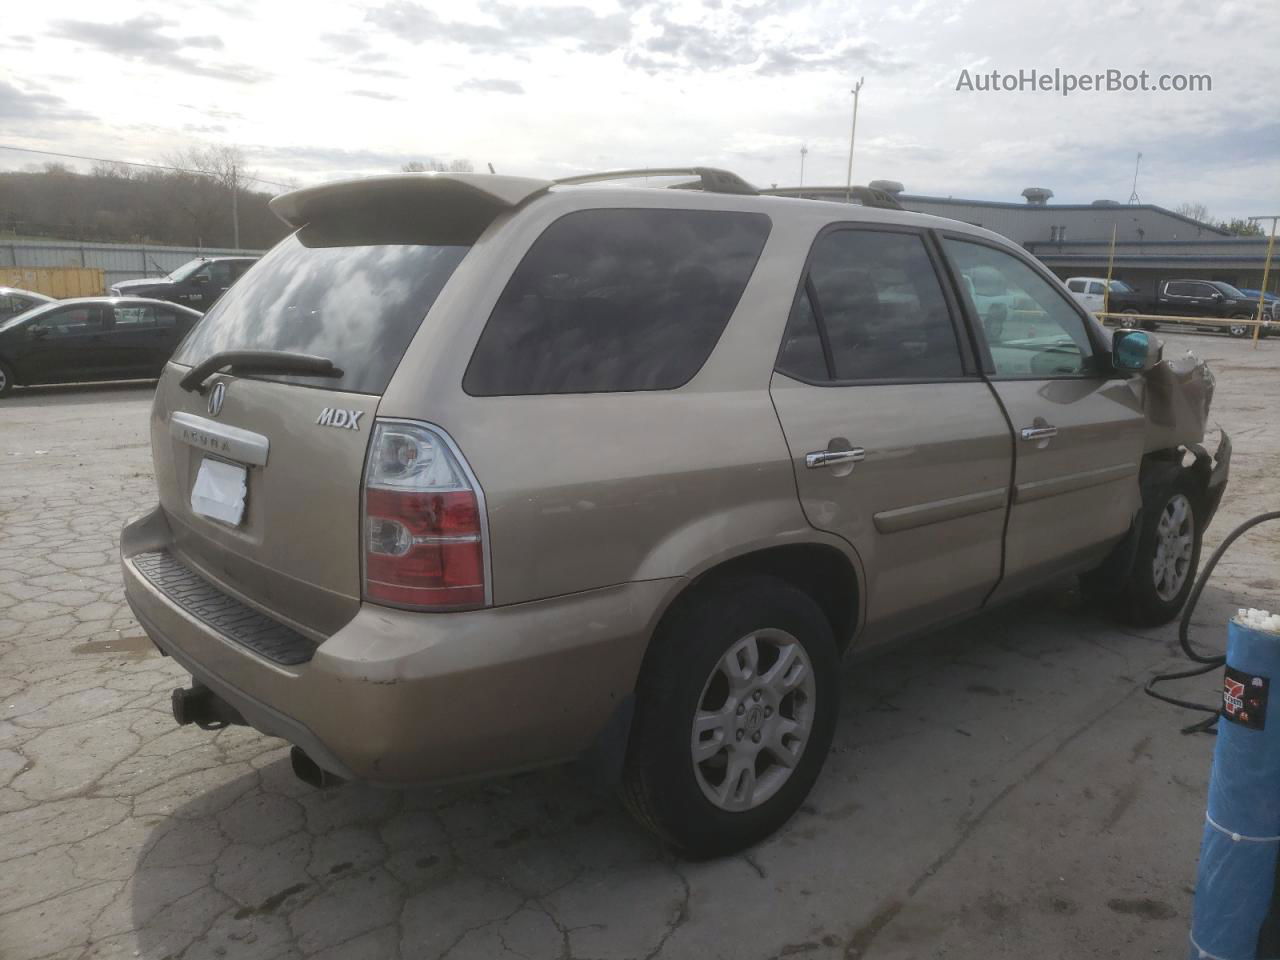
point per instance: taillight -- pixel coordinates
(423, 524)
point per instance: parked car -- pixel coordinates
(1090, 292)
(90, 338)
(14, 301)
(1270, 303)
(1189, 298)
(653, 462)
(197, 283)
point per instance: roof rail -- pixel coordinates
(864, 196)
(710, 179)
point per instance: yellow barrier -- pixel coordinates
(59, 282)
(1190, 321)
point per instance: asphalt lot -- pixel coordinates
(1000, 789)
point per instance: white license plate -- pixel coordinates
(219, 491)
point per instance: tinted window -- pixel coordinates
(882, 308)
(11, 305)
(1097, 288)
(1180, 289)
(802, 356)
(614, 300)
(70, 322)
(1031, 328)
(1076, 286)
(357, 305)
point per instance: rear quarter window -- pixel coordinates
(617, 300)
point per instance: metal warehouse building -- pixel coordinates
(1072, 239)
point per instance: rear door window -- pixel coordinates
(876, 308)
(617, 300)
(316, 292)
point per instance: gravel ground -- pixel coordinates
(999, 789)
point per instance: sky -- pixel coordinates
(322, 90)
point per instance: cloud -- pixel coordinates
(18, 104)
(141, 40)
(490, 86)
(509, 27)
(375, 95)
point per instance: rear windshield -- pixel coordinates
(358, 305)
(617, 300)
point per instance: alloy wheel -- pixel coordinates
(753, 720)
(1175, 543)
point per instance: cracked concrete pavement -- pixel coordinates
(997, 789)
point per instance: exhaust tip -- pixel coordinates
(308, 771)
(198, 705)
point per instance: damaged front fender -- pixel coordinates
(1176, 395)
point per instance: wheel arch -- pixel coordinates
(830, 574)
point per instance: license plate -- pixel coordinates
(219, 491)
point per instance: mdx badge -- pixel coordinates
(333, 417)
(216, 396)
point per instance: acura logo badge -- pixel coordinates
(216, 396)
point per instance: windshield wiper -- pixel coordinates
(260, 361)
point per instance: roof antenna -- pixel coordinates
(1133, 197)
(491, 170)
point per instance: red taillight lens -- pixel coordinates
(423, 532)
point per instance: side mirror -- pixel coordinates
(1135, 351)
(1216, 295)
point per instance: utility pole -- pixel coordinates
(853, 132)
(235, 211)
(1266, 271)
(1133, 194)
(804, 151)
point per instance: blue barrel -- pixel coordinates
(1237, 905)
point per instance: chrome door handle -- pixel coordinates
(1039, 433)
(831, 458)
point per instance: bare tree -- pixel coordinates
(225, 166)
(1196, 211)
(458, 165)
(109, 168)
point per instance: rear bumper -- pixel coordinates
(401, 698)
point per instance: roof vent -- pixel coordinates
(1037, 196)
(1105, 203)
(891, 187)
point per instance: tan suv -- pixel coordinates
(474, 473)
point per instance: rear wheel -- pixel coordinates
(6, 379)
(735, 711)
(1167, 556)
(1238, 330)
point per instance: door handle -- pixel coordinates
(1039, 433)
(831, 458)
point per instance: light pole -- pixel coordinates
(1266, 271)
(804, 151)
(235, 210)
(853, 131)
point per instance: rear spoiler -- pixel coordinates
(459, 205)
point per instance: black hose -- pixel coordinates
(1209, 663)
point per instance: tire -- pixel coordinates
(1126, 320)
(671, 792)
(6, 379)
(1239, 330)
(1151, 596)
